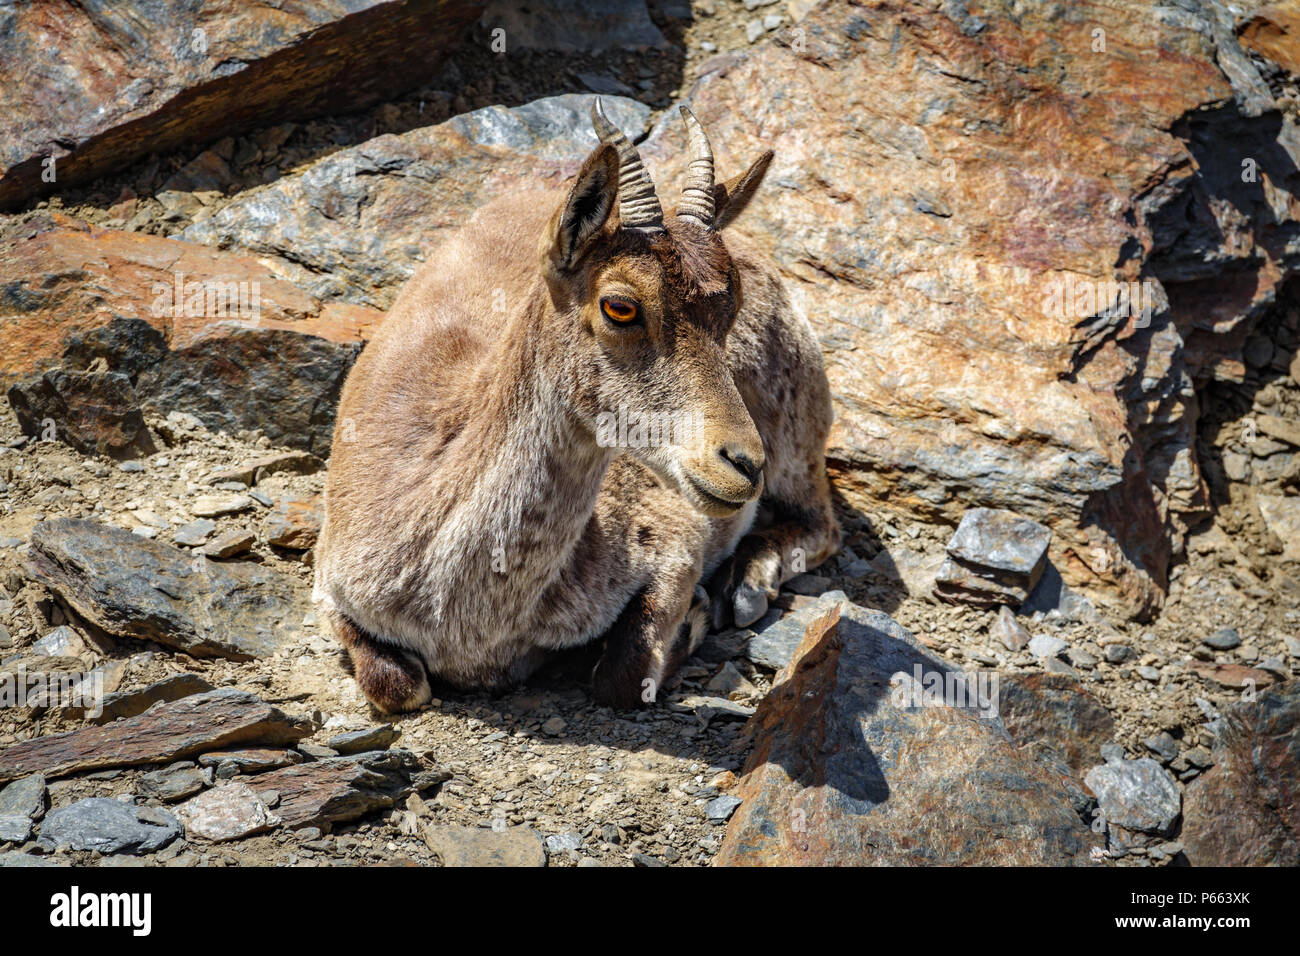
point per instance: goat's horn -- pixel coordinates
(638, 206)
(697, 195)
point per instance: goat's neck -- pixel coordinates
(539, 470)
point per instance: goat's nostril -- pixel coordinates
(741, 462)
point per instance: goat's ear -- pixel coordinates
(588, 207)
(731, 198)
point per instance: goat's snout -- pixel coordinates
(740, 457)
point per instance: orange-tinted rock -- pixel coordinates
(1274, 33)
(951, 193)
(213, 333)
(294, 522)
(97, 413)
(847, 771)
(96, 86)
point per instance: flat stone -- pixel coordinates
(167, 732)
(228, 544)
(720, 809)
(1224, 639)
(225, 813)
(1013, 635)
(371, 738)
(195, 532)
(131, 703)
(60, 642)
(16, 859)
(563, 843)
(108, 826)
(339, 789)
(250, 761)
(481, 846)
(294, 522)
(173, 783)
(774, 645)
(151, 591)
(730, 683)
(212, 506)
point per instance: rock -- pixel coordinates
(1011, 633)
(108, 826)
(132, 587)
(1136, 795)
(166, 732)
(358, 741)
(1058, 711)
(249, 761)
(399, 195)
(554, 726)
(563, 843)
(995, 557)
(228, 340)
(575, 26)
(284, 463)
(194, 533)
(810, 584)
(720, 809)
(15, 858)
(134, 79)
(130, 703)
(774, 646)
(60, 642)
(1119, 653)
(1233, 676)
(228, 544)
(730, 683)
(706, 708)
(1245, 810)
(1046, 645)
(339, 789)
(294, 522)
(1271, 32)
(229, 812)
(847, 769)
(97, 413)
(1163, 746)
(1224, 639)
(173, 783)
(21, 805)
(283, 382)
(213, 506)
(478, 846)
(966, 362)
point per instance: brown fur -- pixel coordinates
(473, 521)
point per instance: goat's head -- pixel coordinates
(644, 306)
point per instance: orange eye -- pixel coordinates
(619, 310)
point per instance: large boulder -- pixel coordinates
(956, 197)
(193, 329)
(92, 87)
(1245, 811)
(870, 749)
(357, 224)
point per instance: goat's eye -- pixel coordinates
(620, 311)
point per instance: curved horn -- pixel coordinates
(638, 206)
(697, 194)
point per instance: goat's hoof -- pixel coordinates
(748, 605)
(393, 683)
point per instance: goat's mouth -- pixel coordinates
(709, 501)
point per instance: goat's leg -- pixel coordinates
(658, 629)
(801, 537)
(393, 679)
